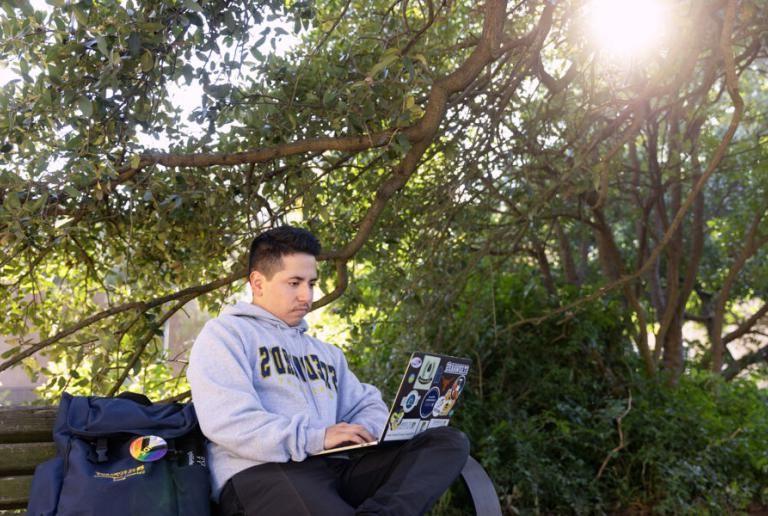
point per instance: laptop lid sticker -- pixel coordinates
(427, 372)
(428, 404)
(410, 401)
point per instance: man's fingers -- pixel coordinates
(345, 434)
(366, 435)
(362, 432)
(354, 436)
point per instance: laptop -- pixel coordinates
(426, 398)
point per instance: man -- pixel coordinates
(269, 396)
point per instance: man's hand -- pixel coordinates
(342, 434)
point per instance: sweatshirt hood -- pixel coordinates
(244, 309)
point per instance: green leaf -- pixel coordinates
(151, 26)
(385, 61)
(135, 161)
(81, 16)
(25, 7)
(134, 44)
(147, 61)
(195, 19)
(188, 72)
(101, 43)
(12, 201)
(423, 60)
(9, 353)
(193, 6)
(85, 105)
(328, 98)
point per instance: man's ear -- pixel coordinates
(256, 280)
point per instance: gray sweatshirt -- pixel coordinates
(265, 391)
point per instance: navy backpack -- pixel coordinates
(123, 456)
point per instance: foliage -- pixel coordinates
(380, 126)
(544, 404)
(484, 179)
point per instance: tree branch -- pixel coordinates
(746, 325)
(747, 360)
(144, 342)
(135, 305)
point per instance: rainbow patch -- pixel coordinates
(148, 448)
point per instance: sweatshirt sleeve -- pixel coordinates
(359, 402)
(229, 409)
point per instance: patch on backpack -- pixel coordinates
(117, 476)
(148, 448)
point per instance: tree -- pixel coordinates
(408, 135)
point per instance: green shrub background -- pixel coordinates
(544, 401)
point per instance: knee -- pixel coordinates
(448, 438)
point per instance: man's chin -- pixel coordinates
(295, 320)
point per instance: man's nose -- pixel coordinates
(305, 294)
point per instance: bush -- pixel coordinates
(544, 403)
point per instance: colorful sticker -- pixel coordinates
(416, 362)
(423, 425)
(405, 430)
(451, 386)
(395, 420)
(427, 372)
(411, 377)
(428, 404)
(450, 389)
(410, 401)
(148, 448)
(438, 408)
(443, 406)
(457, 387)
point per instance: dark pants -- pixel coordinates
(402, 479)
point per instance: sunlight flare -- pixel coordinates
(626, 28)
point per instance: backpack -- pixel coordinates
(123, 456)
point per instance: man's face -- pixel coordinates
(288, 294)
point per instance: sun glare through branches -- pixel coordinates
(627, 29)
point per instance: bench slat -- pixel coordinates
(27, 424)
(14, 492)
(21, 458)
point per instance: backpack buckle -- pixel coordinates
(101, 449)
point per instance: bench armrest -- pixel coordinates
(480, 486)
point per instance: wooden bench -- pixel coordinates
(26, 440)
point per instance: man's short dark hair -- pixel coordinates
(268, 249)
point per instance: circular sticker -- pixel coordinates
(429, 402)
(443, 406)
(438, 408)
(416, 362)
(411, 377)
(148, 448)
(410, 401)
